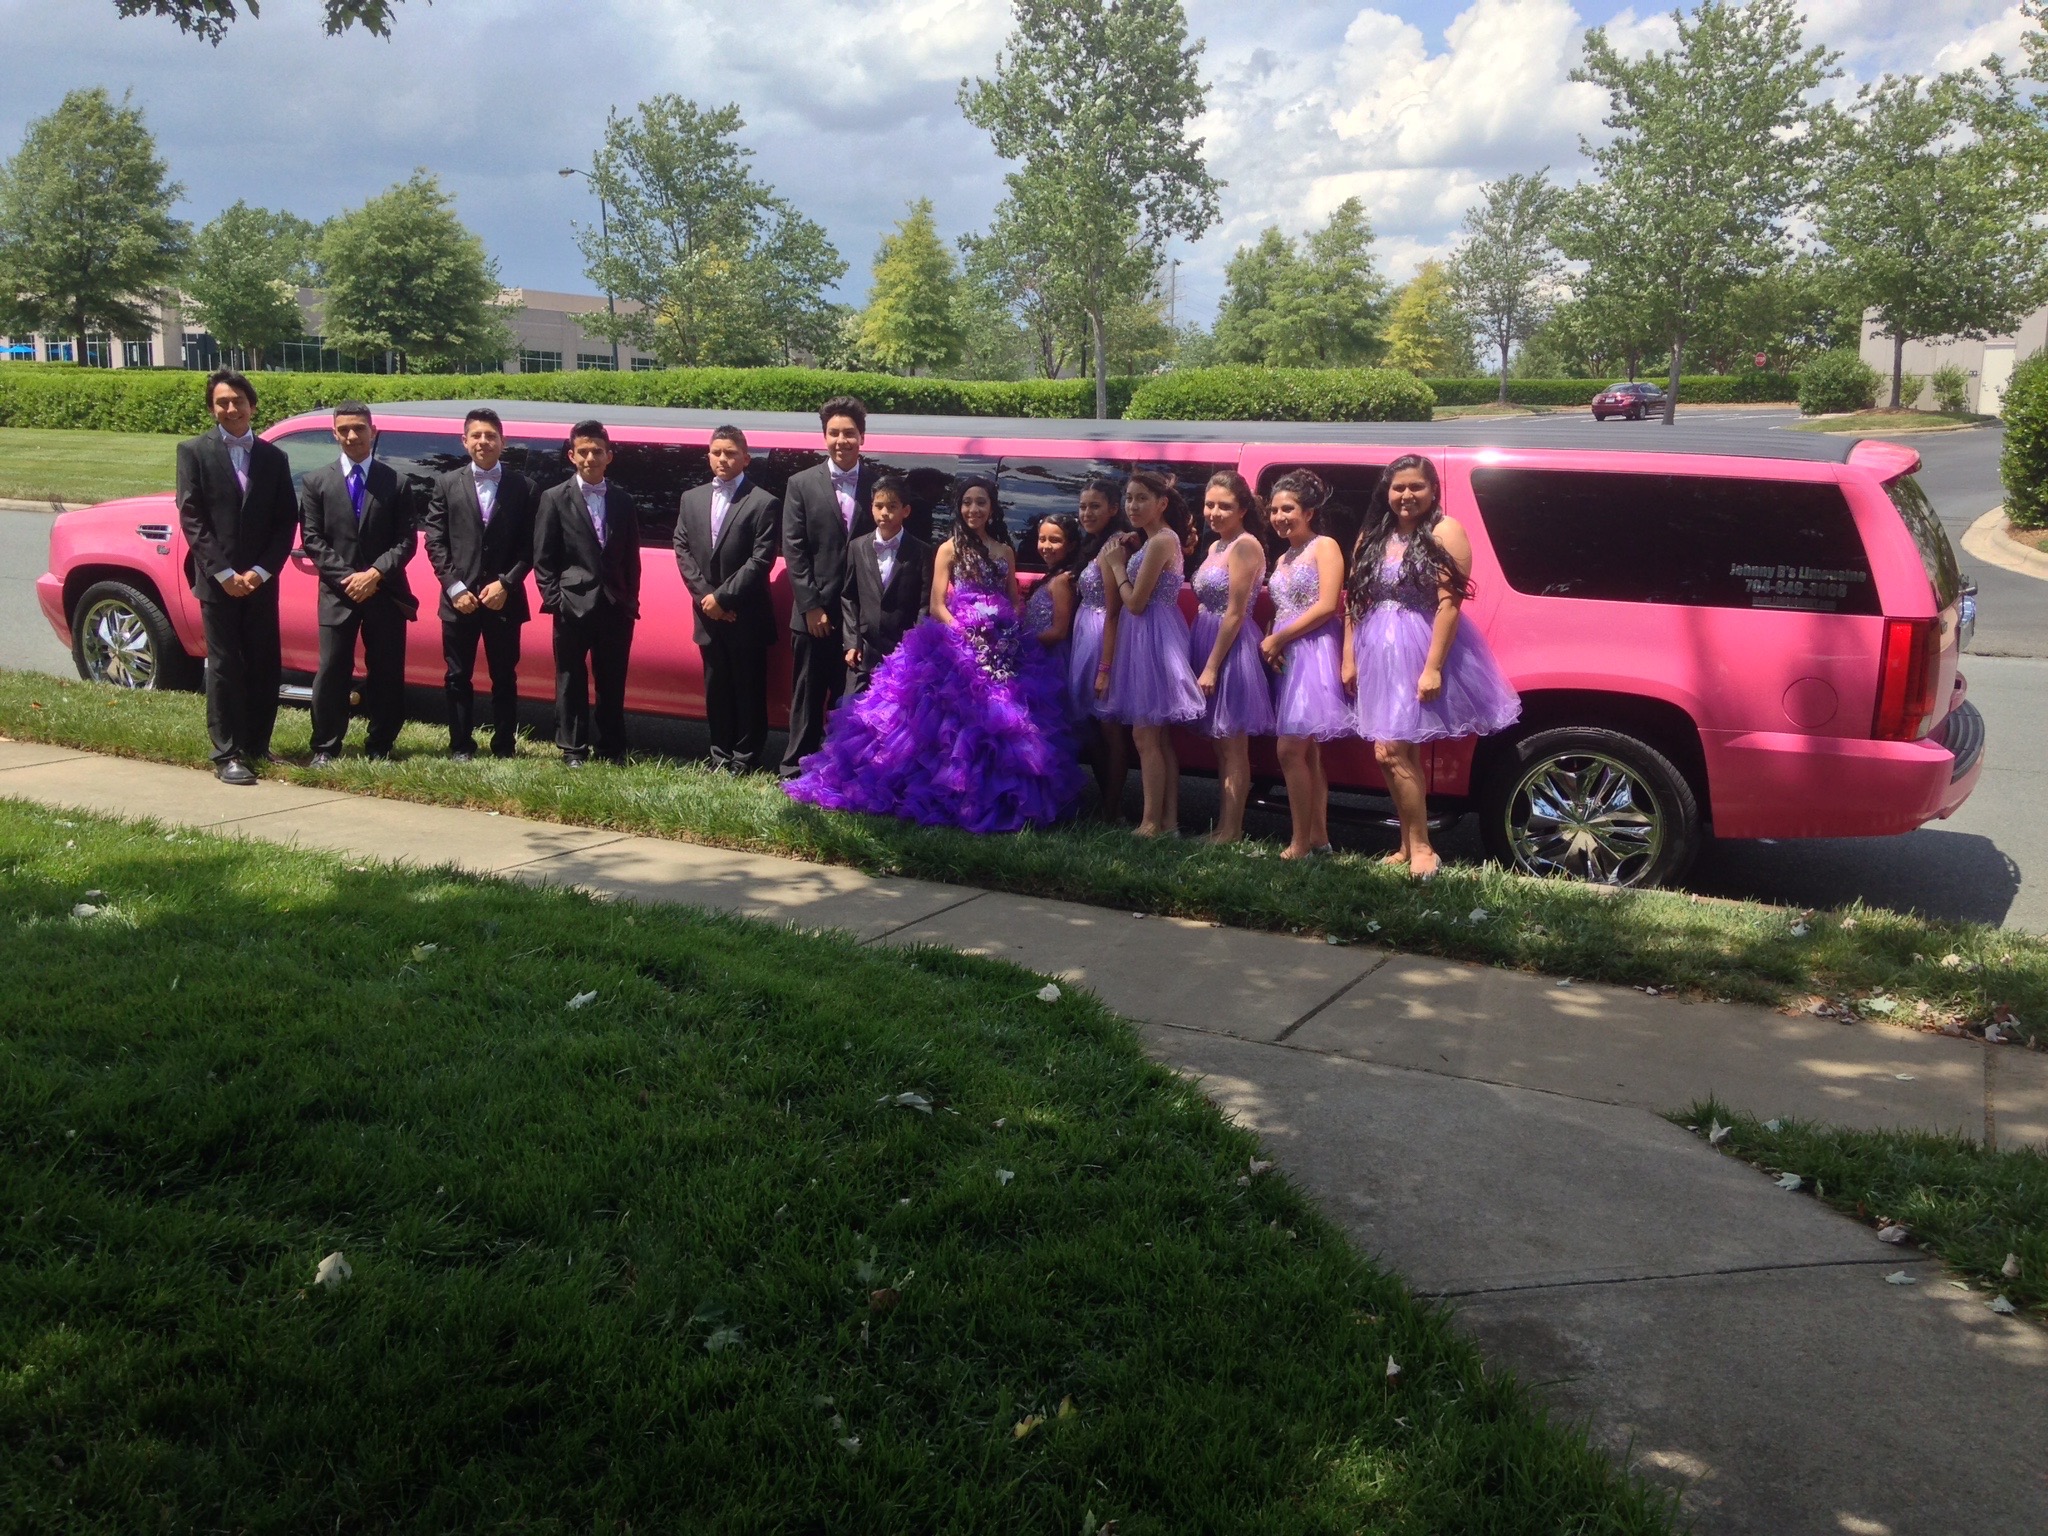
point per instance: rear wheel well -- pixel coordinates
(1664, 726)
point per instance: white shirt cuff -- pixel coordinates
(224, 577)
(261, 574)
(457, 588)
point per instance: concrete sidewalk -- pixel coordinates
(1493, 1137)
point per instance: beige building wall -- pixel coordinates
(1989, 364)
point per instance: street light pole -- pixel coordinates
(604, 224)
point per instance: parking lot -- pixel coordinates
(1989, 863)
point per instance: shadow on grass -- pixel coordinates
(676, 1254)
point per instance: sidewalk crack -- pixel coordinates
(923, 918)
(1281, 1038)
(1877, 1261)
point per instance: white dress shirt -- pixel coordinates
(723, 494)
(486, 482)
(238, 456)
(846, 486)
(885, 554)
(593, 503)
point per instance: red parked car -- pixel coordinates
(1755, 641)
(1631, 402)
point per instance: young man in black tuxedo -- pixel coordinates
(586, 561)
(824, 508)
(479, 531)
(236, 509)
(727, 533)
(888, 583)
(357, 521)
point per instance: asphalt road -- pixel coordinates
(1989, 863)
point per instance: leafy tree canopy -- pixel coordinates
(1506, 271)
(247, 267)
(911, 320)
(403, 275)
(1319, 303)
(1427, 333)
(210, 19)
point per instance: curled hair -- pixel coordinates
(1164, 487)
(234, 380)
(1070, 525)
(1308, 488)
(1247, 502)
(1117, 524)
(847, 406)
(1424, 553)
(968, 544)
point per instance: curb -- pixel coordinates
(10, 505)
(1989, 542)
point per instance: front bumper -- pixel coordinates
(50, 598)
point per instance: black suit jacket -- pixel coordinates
(814, 539)
(874, 617)
(574, 575)
(463, 549)
(735, 567)
(339, 544)
(226, 529)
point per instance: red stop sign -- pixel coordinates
(1762, 358)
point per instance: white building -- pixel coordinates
(1989, 364)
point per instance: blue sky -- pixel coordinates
(1409, 104)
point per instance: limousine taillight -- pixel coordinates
(1910, 668)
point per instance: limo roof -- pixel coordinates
(1471, 432)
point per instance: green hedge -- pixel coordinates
(2024, 464)
(1693, 389)
(173, 400)
(1838, 381)
(1282, 394)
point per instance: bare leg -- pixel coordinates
(1169, 808)
(1234, 775)
(1319, 823)
(1298, 765)
(1401, 765)
(1155, 763)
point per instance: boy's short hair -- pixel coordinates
(485, 414)
(847, 406)
(895, 485)
(592, 428)
(234, 379)
(353, 408)
(731, 435)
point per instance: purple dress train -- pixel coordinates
(964, 725)
(1242, 704)
(1392, 645)
(1150, 682)
(1309, 700)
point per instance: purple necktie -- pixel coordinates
(355, 491)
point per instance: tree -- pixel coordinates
(1011, 298)
(87, 241)
(1715, 146)
(403, 275)
(1506, 271)
(1931, 216)
(1427, 333)
(1317, 304)
(210, 19)
(247, 268)
(718, 268)
(1094, 100)
(911, 320)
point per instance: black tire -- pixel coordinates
(1590, 804)
(1635, 413)
(121, 635)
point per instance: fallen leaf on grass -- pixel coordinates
(1049, 993)
(1477, 915)
(1025, 1425)
(1258, 1166)
(1393, 1368)
(1790, 1181)
(884, 1300)
(95, 895)
(2002, 1307)
(582, 1000)
(85, 909)
(1067, 1408)
(1899, 1277)
(719, 1340)
(1797, 930)
(1372, 927)
(1774, 1126)
(1004, 1175)
(1892, 1232)
(421, 951)
(1880, 1005)
(916, 1101)
(1993, 1035)
(332, 1271)
(851, 1445)
(2011, 1267)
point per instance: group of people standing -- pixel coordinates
(969, 704)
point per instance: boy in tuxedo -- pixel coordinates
(824, 508)
(727, 534)
(888, 582)
(479, 533)
(586, 562)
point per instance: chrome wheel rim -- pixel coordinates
(116, 646)
(1586, 816)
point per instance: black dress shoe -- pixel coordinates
(504, 749)
(575, 762)
(234, 771)
(461, 757)
(321, 760)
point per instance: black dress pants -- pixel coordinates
(593, 649)
(382, 628)
(243, 669)
(735, 699)
(500, 637)
(817, 679)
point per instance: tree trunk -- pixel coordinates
(1096, 331)
(1898, 369)
(1671, 393)
(1504, 343)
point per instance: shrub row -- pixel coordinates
(1693, 389)
(2024, 463)
(172, 400)
(1282, 394)
(1838, 381)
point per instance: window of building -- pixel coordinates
(21, 351)
(533, 361)
(56, 351)
(138, 354)
(646, 364)
(601, 360)
(1701, 541)
(99, 352)
(202, 352)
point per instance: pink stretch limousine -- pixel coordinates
(1738, 640)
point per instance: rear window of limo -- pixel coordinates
(1691, 540)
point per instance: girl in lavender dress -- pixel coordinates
(1419, 673)
(1144, 678)
(1224, 643)
(1305, 649)
(1106, 744)
(1049, 611)
(966, 722)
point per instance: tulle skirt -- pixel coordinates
(960, 727)
(1392, 645)
(1084, 656)
(1150, 682)
(1243, 702)
(1309, 698)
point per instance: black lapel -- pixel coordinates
(741, 497)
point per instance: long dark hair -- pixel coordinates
(1248, 503)
(1424, 552)
(1070, 525)
(1164, 487)
(966, 542)
(1115, 528)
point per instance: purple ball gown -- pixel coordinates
(1243, 702)
(1392, 644)
(964, 725)
(1309, 699)
(1084, 647)
(1150, 682)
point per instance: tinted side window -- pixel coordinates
(1937, 555)
(1352, 488)
(1685, 539)
(308, 450)
(421, 456)
(1033, 488)
(655, 475)
(930, 476)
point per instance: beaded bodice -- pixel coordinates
(1212, 579)
(1038, 607)
(1410, 583)
(1296, 583)
(1166, 590)
(1089, 584)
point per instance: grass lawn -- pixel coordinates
(1895, 966)
(1976, 1208)
(686, 1256)
(78, 468)
(1891, 421)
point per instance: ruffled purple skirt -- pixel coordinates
(1084, 656)
(1150, 682)
(1309, 699)
(962, 727)
(1392, 645)
(1243, 702)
